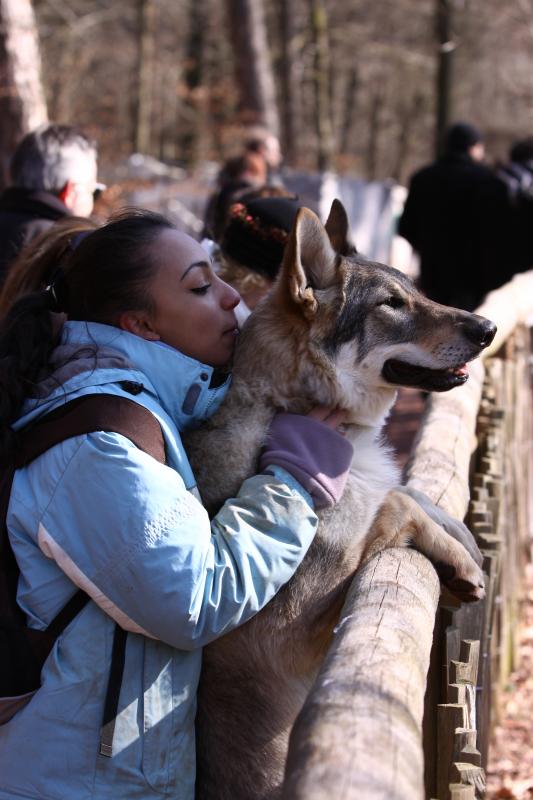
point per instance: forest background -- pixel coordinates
(362, 87)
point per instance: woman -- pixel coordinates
(148, 319)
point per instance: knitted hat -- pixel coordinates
(257, 232)
(461, 137)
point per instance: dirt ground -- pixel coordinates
(510, 769)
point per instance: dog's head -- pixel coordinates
(343, 329)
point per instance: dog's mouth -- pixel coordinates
(401, 373)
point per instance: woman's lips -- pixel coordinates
(231, 332)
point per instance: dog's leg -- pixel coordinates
(242, 726)
(400, 522)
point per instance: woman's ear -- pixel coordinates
(138, 323)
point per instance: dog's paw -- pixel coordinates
(466, 581)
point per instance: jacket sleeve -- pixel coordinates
(124, 528)
(409, 223)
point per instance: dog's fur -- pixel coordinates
(332, 332)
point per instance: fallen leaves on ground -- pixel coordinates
(510, 770)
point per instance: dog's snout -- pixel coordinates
(479, 330)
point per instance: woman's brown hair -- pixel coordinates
(38, 261)
(105, 274)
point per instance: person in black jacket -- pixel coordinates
(53, 173)
(517, 177)
(451, 219)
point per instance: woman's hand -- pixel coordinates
(313, 450)
(331, 416)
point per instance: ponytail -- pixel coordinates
(94, 278)
(27, 338)
(38, 261)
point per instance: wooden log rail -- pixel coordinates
(364, 733)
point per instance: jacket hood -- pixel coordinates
(91, 355)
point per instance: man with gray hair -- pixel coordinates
(54, 174)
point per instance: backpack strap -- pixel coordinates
(87, 414)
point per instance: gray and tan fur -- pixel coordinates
(340, 331)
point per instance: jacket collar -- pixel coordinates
(30, 201)
(91, 354)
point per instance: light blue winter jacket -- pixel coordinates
(96, 512)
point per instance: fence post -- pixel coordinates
(359, 733)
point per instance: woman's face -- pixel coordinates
(193, 308)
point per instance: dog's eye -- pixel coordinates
(393, 301)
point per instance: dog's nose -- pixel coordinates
(479, 330)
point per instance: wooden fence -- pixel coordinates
(374, 726)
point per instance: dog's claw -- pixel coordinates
(467, 593)
(466, 586)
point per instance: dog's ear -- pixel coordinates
(310, 262)
(338, 229)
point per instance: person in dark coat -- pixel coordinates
(517, 177)
(450, 217)
(53, 174)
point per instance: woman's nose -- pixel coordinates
(231, 297)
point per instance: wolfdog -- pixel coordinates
(336, 330)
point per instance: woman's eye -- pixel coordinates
(201, 289)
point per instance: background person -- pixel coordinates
(145, 309)
(517, 215)
(268, 146)
(256, 169)
(451, 219)
(252, 247)
(53, 174)
(238, 176)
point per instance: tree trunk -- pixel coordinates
(350, 105)
(147, 25)
(289, 88)
(409, 118)
(324, 130)
(253, 68)
(22, 102)
(374, 124)
(446, 47)
(194, 106)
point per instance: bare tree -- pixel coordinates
(349, 109)
(324, 130)
(147, 25)
(205, 84)
(22, 104)
(288, 83)
(374, 128)
(193, 77)
(446, 47)
(253, 70)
